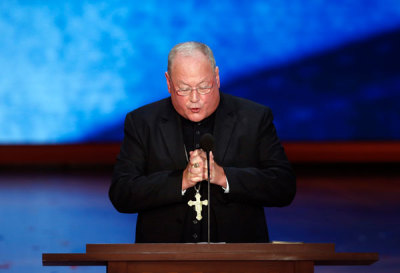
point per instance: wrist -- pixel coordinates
(185, 184)
(221, 181)
(224, 183)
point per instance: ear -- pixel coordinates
(217, 76)
(168, 82)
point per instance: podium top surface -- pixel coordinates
(101, 254)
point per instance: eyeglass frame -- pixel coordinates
(190, 89)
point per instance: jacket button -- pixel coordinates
(195, 235)
(195, 222)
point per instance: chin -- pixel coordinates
(195, 118)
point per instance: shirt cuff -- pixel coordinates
(226, 190)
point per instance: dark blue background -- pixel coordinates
(72, 70)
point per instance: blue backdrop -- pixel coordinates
(71, 70)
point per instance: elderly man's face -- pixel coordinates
(193, 71)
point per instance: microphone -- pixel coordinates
(207, 144)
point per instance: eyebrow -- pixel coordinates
(203, 81)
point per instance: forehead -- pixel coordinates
(193, 63)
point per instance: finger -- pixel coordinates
(203, 154)
(196, 163)
(200, 151)
(196, 171)
(211, 161)
(196, 158)
(196, 179)
(212, 167)
(196, 152)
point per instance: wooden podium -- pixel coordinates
(155, 258)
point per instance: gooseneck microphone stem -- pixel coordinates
(208, 197)
(207, 144)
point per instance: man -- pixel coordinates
(161, 170)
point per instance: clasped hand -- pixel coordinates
(196, 170)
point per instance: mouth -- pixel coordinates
(195, 110)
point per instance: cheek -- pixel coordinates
(180, 103)
(212, 102)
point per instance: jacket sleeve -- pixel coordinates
(133, 188)
(269, 181)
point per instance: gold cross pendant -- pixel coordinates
(198, 205)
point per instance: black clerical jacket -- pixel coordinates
(147, 177)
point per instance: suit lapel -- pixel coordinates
(225, 121)
(171, 131)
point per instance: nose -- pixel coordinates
(194, 95)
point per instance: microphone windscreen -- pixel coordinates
(207, 142)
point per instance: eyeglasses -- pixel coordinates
(202, 90)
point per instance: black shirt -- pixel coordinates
(196, 230)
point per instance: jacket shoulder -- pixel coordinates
(152, 110)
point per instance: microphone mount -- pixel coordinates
(207, 144)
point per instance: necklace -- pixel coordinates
(197, 203)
